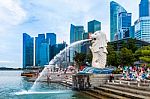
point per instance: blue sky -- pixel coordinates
(41, 16)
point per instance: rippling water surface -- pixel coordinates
(13, 86)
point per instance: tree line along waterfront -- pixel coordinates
(124, 53)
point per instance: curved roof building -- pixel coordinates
(144, 8)
(115, 9)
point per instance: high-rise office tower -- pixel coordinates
(43, 45)
(51, 38)
(132, 32)
(57, 48)
(28, 50)
(38, 41)
(142, 29)
(115, 9)
(85, 46)
(124, 24)
(61, 61)
(144, 8)
(94, 26)
(142, 25)
(44, 54)
(76, 34)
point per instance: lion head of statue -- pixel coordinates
(98, 41)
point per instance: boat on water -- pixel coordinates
(31, 71)
(28, 74)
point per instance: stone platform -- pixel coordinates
(123, 90)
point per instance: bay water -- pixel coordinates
(14, 86)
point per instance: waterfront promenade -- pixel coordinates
(102, 87)
(120, 89)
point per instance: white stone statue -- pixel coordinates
(98, 48)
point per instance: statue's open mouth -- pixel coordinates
(93, 39)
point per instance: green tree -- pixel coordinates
(79, 58)
(112, 56)
(126, 56)
(124, 44)
(143, 54)
(131, 45)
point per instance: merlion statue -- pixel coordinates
(98, 48)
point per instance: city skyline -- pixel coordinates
(34, 17)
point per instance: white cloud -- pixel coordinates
(5, 61)
(11, 13)
(41, 16)
(11, 16)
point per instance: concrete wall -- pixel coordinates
(100, 79)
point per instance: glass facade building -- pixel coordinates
(124, 24)
(51, 38)
(44, 54)
(131, 31)
(142, 29)
(43, 46)
(76, 34)
(64, 58)
(28, 50)
(115, 9)
(85, 46)
(38, 41)
(94, 26)
(57, 48)
(144, 8)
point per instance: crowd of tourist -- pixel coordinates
(136, 73)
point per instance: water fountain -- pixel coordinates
(52, 62)
(99, 51)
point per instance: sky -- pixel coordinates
(49, 16)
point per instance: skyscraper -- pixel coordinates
(132, 32)
(57, 48)
(94, 26)
(43, 45)
(85, 46)
(144, 8)
(44, 54)
(28, 50)
(61, 61)
(38, 41)
(142, 25)
(76, 34)
(142, 29)
(124, 24)
(51, 38)
(115, 9)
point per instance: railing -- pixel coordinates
(144, 83)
